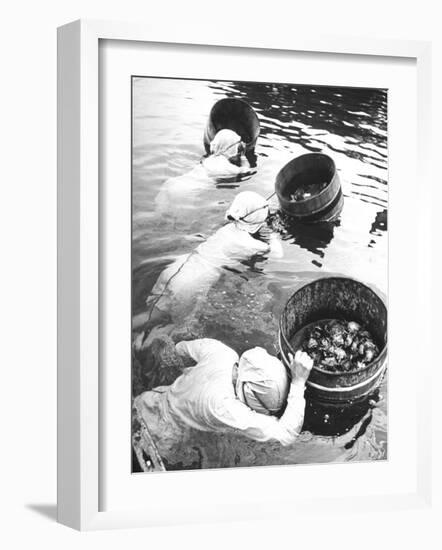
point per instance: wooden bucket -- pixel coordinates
(337, 298)
(303, 172)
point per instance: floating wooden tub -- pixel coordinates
(302, 173)
(337, 298)
(233, 114)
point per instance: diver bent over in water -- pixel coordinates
(191, 276)
(226, 394)
(226, 160)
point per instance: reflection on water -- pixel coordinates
(312, 237)
(356, 116)
(243, 307)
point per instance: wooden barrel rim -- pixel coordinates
(356, 371)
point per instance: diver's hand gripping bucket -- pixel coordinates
(233, 114)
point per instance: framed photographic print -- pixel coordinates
(231, 270)
(221, 272)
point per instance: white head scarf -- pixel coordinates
(225, 143)
(263, 382)
(249, 211)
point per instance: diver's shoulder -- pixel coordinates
(229, 230)
(219, 346)
(232, 229)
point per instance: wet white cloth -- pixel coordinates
(226, 143)
(226, 146)
(203, 398)
(220, 168)
(180, 193)
(249, 210)
(262, 382)
(191, 275)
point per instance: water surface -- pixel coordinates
(243, 308)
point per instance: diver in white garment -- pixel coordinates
(253, 395)
(189, 278)
(226, 160)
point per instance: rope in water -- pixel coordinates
(154, 303)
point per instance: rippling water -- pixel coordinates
(243, 308)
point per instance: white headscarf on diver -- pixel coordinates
(249, 211)
(226, 143)
(262, 382)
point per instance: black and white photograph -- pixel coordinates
(259, 274)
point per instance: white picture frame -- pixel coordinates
(79, 475)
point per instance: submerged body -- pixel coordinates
(226, 161)
(188, 279)
(207, 397)
(190, 276)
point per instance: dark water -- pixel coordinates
(243, 308)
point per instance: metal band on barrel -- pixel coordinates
(341, 388)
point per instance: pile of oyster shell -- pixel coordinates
(339, 346)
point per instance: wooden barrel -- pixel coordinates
(307, 172)
(337, 298)
(233, 114)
